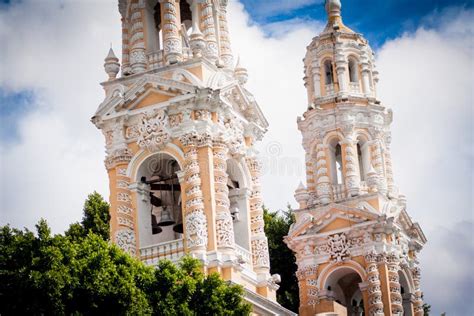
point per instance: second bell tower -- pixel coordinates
(355, 244)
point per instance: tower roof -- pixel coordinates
(333, 10)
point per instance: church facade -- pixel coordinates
(180, 129)
(355, 244)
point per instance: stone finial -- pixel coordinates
(333, 8)
(111, 65)
(240, 73)
(302, 196)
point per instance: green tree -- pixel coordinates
(282, 260)
(81, 273)
(185, 290)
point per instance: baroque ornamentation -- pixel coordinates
(260, 252)
(196, 229)
(225, 230)
(125, 239)
(338, 247)
(154, 133)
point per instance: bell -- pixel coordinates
(178, 228)
(155, 228)
(166, 219)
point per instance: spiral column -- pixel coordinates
(373, 279)
(260, 256)
(418, 303)
(136, 40)
(224, 222)
(195, 221)
(172, 42)
(224, 40)
(209, 31)
(323, 186)
(396, 299)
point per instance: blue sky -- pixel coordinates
(378, 20)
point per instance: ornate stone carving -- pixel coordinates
(125, 239)
(117, 157)
(225, 230)
(338, 247)
(260, 252)
(154, 133)
(196, 229)
(374, 292)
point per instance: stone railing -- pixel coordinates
(172, 250)
(339, 192)
(354, 87)
(244, 255)
(364, 188)
(330, 89)
(156, 60)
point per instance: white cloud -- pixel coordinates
(57, 50)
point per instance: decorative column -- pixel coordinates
(209, 31)
(194, 218)
(418, 303)
(224, 41)
(259, 243)
(378, 163)
(123, 230)
(224, 223)
(172, 42)
(310, 176)
(351, 167)
(136, 40)
(396, 299)
(323, 186)
(365, 69)
(374, 292)
(126, 70)
(316, 72)
(341, 66)
(388, 166)
(196, 39)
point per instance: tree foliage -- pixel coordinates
(282, 260)
(81, 273)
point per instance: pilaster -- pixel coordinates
(138, 59)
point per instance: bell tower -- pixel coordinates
(355, 244)
(180, 129)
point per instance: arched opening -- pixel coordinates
(328, 72)
(186, 21)
(159, 204)
(406, 292)
(363, 157)
(335, 158)
(342, 286)
(353, 71)
(238, 203)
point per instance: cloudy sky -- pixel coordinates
(51, 156)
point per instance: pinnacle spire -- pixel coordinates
(333, 9)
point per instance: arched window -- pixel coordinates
(328, 72)
(335, 159)
(361, 164)
(353, 71)
(339, 174)
(238, 203)
(363, 155)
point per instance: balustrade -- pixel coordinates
(172, 250)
